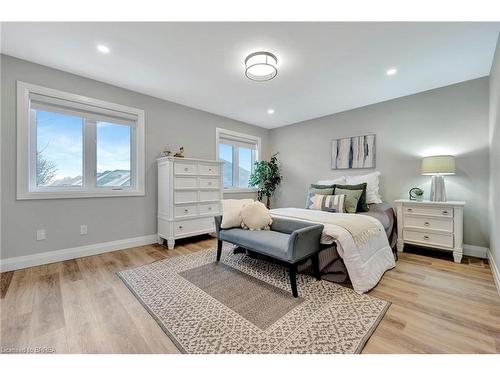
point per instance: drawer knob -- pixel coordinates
(427, 223)
(186, 169)
(409, 209)
(426, 237)
(210, 169)
(180, 226)
(186, 210)
(210, 208)
(445, 212)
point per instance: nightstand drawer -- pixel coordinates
(427, 210)
(445, 224)
(430, 239)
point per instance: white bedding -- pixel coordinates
(365, 264)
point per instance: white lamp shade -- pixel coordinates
(441, 164)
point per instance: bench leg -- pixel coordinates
(315, 262)
(219, 249)
(293, 279)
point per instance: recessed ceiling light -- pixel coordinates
(102, 48)
(270, 111)
(391, 72)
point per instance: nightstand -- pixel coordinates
(437, 225)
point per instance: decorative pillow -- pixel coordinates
(340, 180)
(231, 212)
(371, 179)
(255, 216)
(330, 203)
(362, 206)
(351, 199)
(318, 189)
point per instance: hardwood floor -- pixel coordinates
(80, 306)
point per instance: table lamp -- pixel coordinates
(437, 167)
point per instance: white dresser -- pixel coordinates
(436, 225)
(189, 196)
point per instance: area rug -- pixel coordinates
(244, 305)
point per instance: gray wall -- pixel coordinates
(495, 156)
(108, 219)
(449, 120)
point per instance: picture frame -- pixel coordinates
(358, 152)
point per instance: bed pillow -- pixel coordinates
(340, 180)
(329, 203)
(318, 189)
(372, 186)
(351, 199)
(231, 212)
(362, 206)
(255, 216)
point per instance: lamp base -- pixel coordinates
(438, 191)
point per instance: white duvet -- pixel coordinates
(365, 264)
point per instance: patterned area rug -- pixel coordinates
(244, 305)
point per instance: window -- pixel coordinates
(239, 153)
(71, 146)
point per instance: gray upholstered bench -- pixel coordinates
(289, 242)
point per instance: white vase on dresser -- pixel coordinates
(437, 225)
(189, 196)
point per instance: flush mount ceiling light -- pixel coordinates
(261, 66)
(270, 111)
(102, 48)
(391, 72)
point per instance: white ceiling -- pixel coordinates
(324, 68)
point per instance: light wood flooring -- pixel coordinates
(80, 306)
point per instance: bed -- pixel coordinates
(340, 259)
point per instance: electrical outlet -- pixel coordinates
(83, 230)
(40, 235)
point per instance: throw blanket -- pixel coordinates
(361, 242)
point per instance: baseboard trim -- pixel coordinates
(476, 251)
(494, 270)
(16, 263)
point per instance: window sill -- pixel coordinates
(239, 190)
(79, 194)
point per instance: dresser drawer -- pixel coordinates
(206, 182)
(437, 223)
(444, 240)
(185, 182)
(194, 226)
(185, 210)
(185, 167)
(428, 210)
(208, 196)
(209, 169)
(209, 208)
(185, 196)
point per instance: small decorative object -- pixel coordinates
(180, 154)
(266, 177)
(261, 66)
(166, 152)
(416, 194)
(354, 152)
(437, 167)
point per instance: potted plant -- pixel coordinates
(417, 194)
(266, 177)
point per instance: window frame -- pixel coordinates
(219, 135)
(26, 148)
